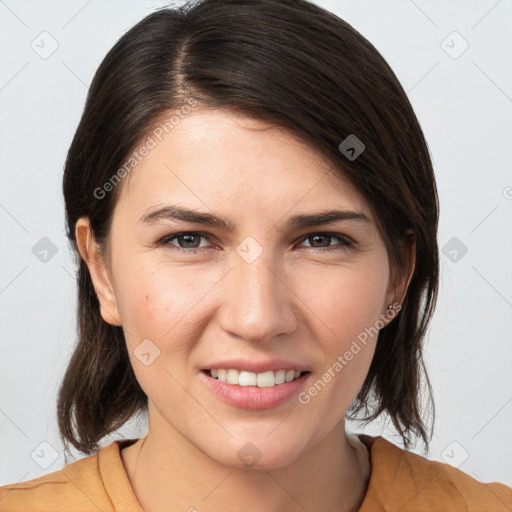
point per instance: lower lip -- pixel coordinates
(253, 397)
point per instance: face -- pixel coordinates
(191, 296)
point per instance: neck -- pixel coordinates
(168, 473)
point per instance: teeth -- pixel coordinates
(281, 376)
(245, 378)
(261, 380)
(232, 377)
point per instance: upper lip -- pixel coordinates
(257, 366)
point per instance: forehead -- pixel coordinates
(216, 156)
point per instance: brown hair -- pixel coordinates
(293, 64)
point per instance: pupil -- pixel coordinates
(187, 242)
(324, 237)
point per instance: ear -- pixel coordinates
(399, 285)
(101, 279)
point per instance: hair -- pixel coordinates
(292, 64)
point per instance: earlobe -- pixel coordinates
(409, 258)
(91, 254)
(398, 291)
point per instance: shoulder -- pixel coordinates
(76, 487)
(406, 481)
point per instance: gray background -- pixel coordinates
(463, 98)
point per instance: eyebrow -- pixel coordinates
(173, 212)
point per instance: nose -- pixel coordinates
(257, 302)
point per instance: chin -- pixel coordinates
(257, 455)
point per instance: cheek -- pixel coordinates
(158, 302)
(345, 313)
(347, 300)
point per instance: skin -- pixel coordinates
(296, 301)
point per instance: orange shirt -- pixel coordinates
(399, 481)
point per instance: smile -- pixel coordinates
(255, 391)
(261, 380)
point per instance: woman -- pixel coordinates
(255, 211)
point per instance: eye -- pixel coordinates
(324, 239)
(189, 241)
(185, 238)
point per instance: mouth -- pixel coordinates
(254, 391)
(242, 378)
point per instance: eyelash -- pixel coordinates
(165, 241)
